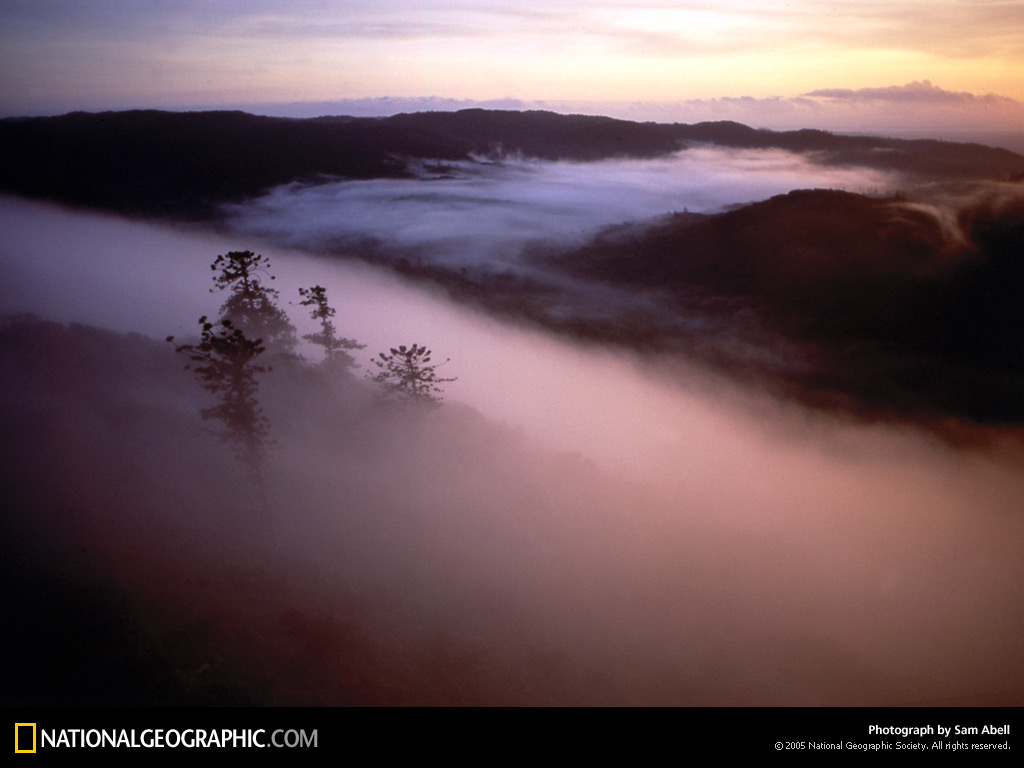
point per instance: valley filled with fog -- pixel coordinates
(487, 212)
(580, 523)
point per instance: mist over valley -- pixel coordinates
(735, 419)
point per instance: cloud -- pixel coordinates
(922, 92)
(486, 214)
(703, 545)
(920, 106)
(124, 54)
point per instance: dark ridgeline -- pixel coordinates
(882, 311)
(186, 164)
(841, 301)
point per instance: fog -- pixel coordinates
(486, 212)
(577, 525)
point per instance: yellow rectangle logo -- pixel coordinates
(22, 737)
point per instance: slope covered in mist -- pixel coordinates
(880, 306)
(439, 558)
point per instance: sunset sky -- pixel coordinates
(770, 61)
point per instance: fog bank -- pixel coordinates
(485, 213)
(570, 528)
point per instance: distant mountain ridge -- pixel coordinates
(186, 164)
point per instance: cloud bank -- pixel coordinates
(486, 214)
(626, 538)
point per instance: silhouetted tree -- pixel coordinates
(336, 348)
(405, 375)
(251, 306)
(223, 362)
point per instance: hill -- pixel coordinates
(839, 299)
(185, 164)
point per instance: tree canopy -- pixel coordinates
(223, 362)
(336, 348)
(407, 377)
(251, 306)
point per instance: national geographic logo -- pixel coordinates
(25, 738)
(28, 737)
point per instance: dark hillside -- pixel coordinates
(890, 310)
(544, 135)
(926, 158)
(187, 164)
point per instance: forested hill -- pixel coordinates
(185, 164)
(879, 309)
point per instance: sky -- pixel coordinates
(857, 64)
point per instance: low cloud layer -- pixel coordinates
(876, 307)
(628, 535)
(922, 92)
(485, 214)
